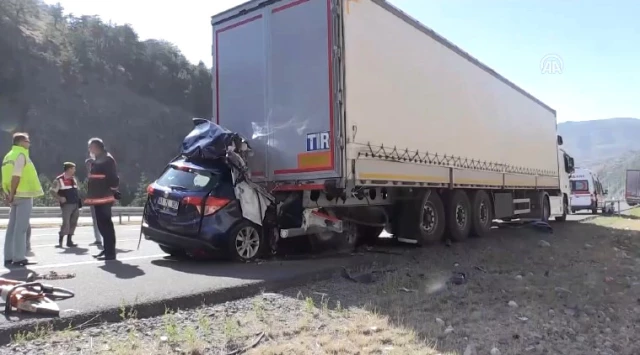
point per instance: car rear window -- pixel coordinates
(187, 179)
(579, 185)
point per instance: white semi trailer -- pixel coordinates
(361, 118)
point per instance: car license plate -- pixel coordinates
(170, 204)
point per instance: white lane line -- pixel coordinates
(80, 245)
(85, 232)
(82, 234)
(88, 262)
(118, 228)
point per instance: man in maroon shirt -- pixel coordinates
(102, 193)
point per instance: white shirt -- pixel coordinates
(19, 164)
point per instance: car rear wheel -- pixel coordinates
(246, 242)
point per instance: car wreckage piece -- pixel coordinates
(33, 297)
(208, 140)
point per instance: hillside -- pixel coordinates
(590, 142)
(65, 79)
(608, 147)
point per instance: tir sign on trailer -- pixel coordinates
(317, 141)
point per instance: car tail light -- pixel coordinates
(150, 189)
(211, 204)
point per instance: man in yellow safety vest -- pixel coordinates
(21, 185)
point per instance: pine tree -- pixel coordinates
(141, 192)
(46, 200)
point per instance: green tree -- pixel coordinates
(141, 192)
(46, 200)
(65, 78)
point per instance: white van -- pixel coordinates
(586, 191)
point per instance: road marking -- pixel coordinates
(53, 245)
(118, 227)
(88, 262)
(88, 232)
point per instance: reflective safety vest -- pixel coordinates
(29, 185)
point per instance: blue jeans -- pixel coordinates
(15, 239)
(96, 231)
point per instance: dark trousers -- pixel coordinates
(105, 226)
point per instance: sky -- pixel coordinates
(589, 49)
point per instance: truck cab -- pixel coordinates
(566, 168)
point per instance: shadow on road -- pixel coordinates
(122, 270)
(279, 265)
(17, 274)
(76, 251)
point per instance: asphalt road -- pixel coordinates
(144, 275)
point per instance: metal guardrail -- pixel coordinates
(55, 212)
(618, 208)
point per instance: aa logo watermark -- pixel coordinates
(551, 64)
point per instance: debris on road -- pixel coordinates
(52, 275)
(544, 244)
(365, 278)
(458, 278)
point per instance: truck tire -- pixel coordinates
(546, 208)
(565, 209)
(458, 214)
(481, 213)
(424, 219)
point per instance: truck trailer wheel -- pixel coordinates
(458, 212)
(481, 213)
(424, 220)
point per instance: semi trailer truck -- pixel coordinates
(360, 118)
(632, 187)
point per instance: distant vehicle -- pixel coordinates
(586, 191)
(632, 187)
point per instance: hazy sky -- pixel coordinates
(598, 42)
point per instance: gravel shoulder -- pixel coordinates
(520, 291)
